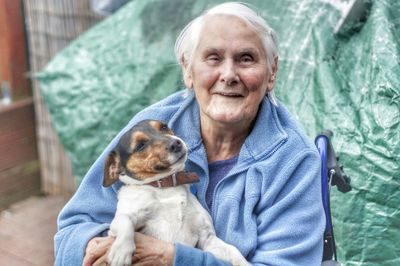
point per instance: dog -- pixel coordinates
(155, 198)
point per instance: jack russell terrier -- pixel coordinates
(155, 198)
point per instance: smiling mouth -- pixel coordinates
(234, 95)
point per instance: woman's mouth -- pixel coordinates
(229, 94)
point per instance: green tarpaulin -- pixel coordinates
(350, 84)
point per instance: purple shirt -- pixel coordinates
(217, 170)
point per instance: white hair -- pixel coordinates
(188, 39)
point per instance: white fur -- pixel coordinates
(169, 214)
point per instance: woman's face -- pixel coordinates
(229, 71)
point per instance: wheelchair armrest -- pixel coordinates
(335, 170)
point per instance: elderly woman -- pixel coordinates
(259, 174)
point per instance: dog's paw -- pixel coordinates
(121, 254)
(239, 262)
(224, 251)
(235, 257)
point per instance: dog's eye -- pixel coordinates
(140, 146)
(164, 128)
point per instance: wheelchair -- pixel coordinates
(332, 174)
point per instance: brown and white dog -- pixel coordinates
(155, 198)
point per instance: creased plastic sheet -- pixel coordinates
(350, 84)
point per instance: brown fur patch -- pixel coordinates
(157, 125)
(149, 152)
(137, 137)
(112, 169)
(144, 163)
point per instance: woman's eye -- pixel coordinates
(246, 58)
(213, 58)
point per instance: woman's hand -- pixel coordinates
(151, 251)
(96, 251)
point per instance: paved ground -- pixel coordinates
(26, 231)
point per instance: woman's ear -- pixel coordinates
(272, 77)
(187, 74)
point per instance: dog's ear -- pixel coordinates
(112, 169)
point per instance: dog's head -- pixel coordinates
(148, 151)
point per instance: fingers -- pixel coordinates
(96, 248)
(141, 237)
(149, 251)
(142, 240)
(102, 261)
(152, 251)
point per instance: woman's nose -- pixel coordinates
(229, 74)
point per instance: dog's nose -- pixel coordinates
(175, 146)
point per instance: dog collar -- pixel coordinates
(176, 179)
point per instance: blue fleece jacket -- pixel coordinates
(269, 205)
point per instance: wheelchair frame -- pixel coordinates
(331, 175)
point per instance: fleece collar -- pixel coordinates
(186, 124)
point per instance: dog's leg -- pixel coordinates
(122, 227)
(223, 251)
(208, 241)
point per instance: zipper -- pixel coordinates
(229, 175)
(236, 170)
(204, 192)
(197, 160)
